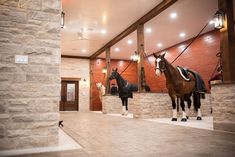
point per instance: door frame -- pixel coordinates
(74, 80)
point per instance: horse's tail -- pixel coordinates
(196, 99)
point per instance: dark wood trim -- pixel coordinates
(70, 79)
(76, 57)
(151, 14)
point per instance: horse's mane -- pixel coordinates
(121, 81)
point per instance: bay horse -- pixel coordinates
(180, 87)
(125, 89)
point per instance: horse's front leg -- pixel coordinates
(123, 106)
(174, 117)
(184, 118)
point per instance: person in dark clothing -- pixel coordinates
(114, 89)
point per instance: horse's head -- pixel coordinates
(114, 74)
(99, 85)
(160, 64)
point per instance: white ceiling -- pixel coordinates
(116, 15)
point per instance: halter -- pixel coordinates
(157, 66)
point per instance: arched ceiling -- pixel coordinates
(88, 18)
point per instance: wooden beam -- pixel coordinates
(140, 52)
(108, 60)
(151, 14)
(76, 57)
(227, 40)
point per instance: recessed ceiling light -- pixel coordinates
(129, 41)
(117, 49)
(173, 15)
(159, 44)
(83, 50)
(103, 31)
(182, 34)
(148, 30)
(182, 47)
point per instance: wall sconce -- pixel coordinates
(135, 57)
(219, 19)
(104, 70)
(62, 19)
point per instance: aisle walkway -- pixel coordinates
(111, 136)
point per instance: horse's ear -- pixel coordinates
(155, 55)
(163, 55)
(116, 69)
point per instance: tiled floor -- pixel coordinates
(205, 123)
(65, 143)
(112, 136)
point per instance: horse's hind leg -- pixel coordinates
(126, 105)
(184, 118)
(197, 104)
(199, 114)
(189, 102)
(174, 117)
(123, 106)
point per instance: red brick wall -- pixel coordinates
(200, 57)
(97, 76)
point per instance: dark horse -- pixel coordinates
(180, 87)
(125, 89)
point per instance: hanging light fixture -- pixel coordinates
(62, 19)
(219, 19)
(135, 57)
(104, 70)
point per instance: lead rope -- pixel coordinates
(126, 67)
(190, 43)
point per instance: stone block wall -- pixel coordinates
(151, 105)
(78, 68)
(29, 93)
(223, 102)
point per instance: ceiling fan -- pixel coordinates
(81, 35)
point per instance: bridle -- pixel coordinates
(157, 65)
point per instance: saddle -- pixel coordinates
(199, 85)
(184, 72)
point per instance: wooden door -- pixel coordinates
(69, 95)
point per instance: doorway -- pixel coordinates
(69, 94)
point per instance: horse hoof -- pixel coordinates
(126, 113)
(199, 118)
(174, 119)
(183, 120)
(187, 117)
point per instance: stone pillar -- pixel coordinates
(29, 93)
(223, 103)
